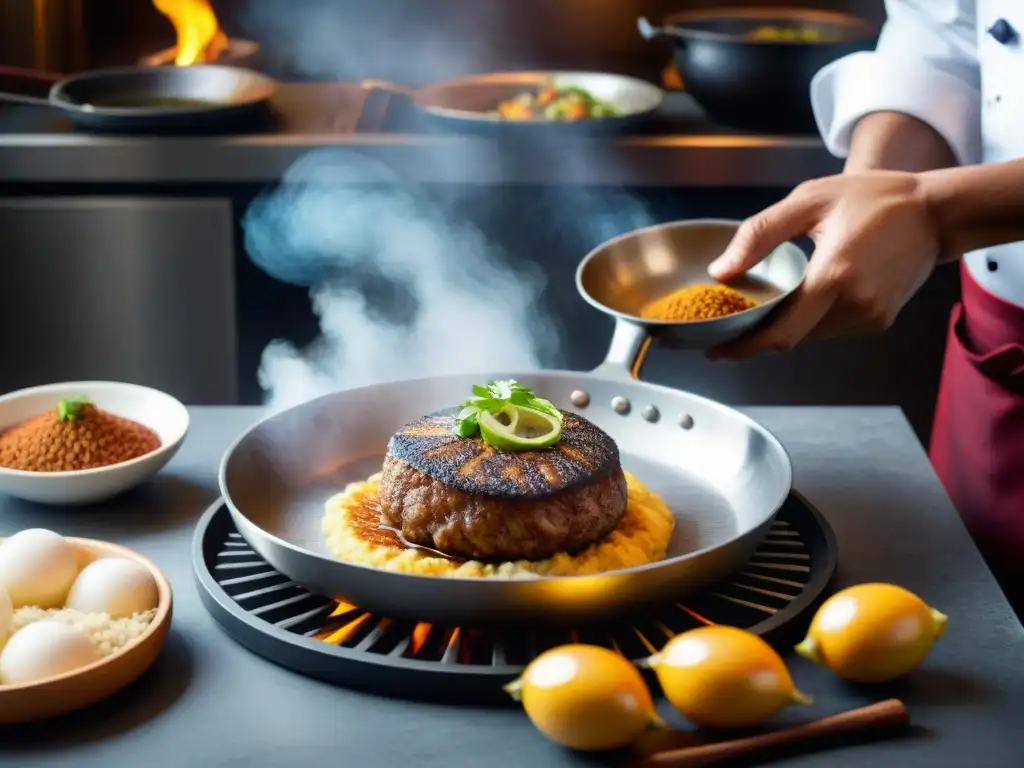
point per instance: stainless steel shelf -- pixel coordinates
(681, 150)
(701, 161)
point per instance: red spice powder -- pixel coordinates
(75, 435)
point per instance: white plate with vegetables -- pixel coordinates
(598, 100)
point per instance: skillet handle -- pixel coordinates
(626, 353)
(387, 85)
(20, 98)
(650, 32)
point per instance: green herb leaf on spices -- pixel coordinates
(494, 398)
(72, 408)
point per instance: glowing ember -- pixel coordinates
(340, 635)
(342, 607)
(200, 38)
(697, 617)
(431, 642)
(346, 620)
(420, 635)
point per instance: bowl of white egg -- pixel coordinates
(79, 620)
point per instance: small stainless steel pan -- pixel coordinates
(473, 101)
(723, 475)
(155, 98)
(622, 275)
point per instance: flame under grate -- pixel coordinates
(321, 637)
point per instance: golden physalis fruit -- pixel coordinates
(872, 633)
(585, 697)
(723, 677)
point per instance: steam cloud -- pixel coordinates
(401, 287)
(356, 39)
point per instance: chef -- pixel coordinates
(931, 124)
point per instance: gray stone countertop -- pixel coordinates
(207, 702)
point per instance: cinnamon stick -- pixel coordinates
(891, 713)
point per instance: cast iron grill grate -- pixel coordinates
(317, 636)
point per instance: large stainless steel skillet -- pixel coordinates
(724, 476)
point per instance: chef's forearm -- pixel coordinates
(892, 141)
(976, 206)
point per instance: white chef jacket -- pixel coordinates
(938, 61)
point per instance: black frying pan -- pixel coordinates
(472, 102)
(156, 98)
(751, 68)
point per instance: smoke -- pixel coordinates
(356, 39)
(401, 285)
(400, 288)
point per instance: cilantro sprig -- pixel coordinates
(71, 409)
(495, 396)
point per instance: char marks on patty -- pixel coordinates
(470, 465)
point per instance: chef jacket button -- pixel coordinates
(992, 265)
(1002, 32)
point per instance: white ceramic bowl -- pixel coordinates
(149, 407)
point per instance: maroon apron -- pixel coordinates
(978, 435)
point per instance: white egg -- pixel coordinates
(38, 568)
(45, 649)
(116, 586)
(6, 616)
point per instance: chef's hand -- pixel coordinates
(875, 245)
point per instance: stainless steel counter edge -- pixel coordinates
(664, 161)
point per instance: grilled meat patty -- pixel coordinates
(464, 498)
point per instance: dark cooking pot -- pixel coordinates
(751, 68)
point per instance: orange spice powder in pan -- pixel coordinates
(697, 302)
(75, 435)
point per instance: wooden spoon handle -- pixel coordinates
(884, 714)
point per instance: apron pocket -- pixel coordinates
(978, 442)
(1003, 366)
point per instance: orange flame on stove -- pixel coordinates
(697, 617)
(352, 619)
(420, 635)
(341, 608)
(200, 38)
(345, 621)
